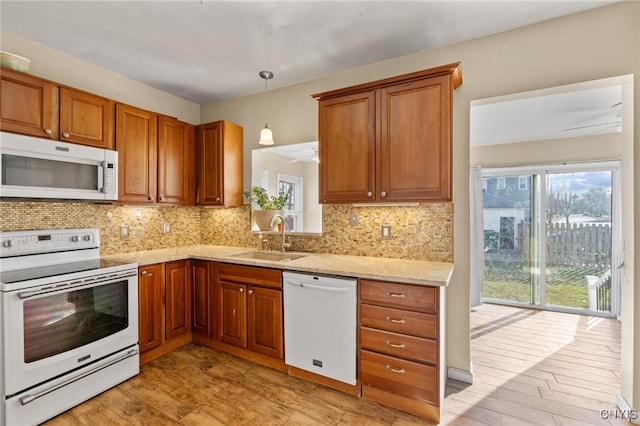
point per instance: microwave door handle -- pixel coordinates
(102, 171)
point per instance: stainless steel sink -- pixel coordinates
(276, 256)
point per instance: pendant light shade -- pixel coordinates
(266, 135)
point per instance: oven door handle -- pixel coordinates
(87, 282)
(26, 399)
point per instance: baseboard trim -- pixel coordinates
(460, 375)
(630, 414)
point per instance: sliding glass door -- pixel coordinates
(550, 237)
(507, 214)
(579, 240)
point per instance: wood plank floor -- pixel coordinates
(530, 367)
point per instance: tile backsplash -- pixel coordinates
(418, 232)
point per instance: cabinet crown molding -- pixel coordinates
(454, 68)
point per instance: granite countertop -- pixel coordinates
(380, 268)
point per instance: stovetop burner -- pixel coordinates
(27, 274)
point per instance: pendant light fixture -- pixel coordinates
(266, 135)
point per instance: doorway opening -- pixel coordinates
(551, 237)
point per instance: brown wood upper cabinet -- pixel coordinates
(388, 140)
(175, 162)
(137, 145)
(37, 107)
(219, 164)
(156, 155)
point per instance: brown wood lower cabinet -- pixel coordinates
(151, 306)
(202, 281)
(238, 309)
(233, 314)
(250, 308)
(164, 302)
(177, 298)
(400, 346)
(264, 321)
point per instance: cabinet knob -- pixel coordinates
(48, 131)
(383, 193)
(241, 290)
(217, 198)
(369, 193)
(250, 291)
(161, 198)
(65, 135)
(151, 198)
(143, 273)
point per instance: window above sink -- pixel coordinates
(292, 169)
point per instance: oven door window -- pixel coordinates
(57, 323)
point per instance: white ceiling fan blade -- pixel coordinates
(612, 124)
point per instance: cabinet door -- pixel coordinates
(136, 143)
(415, 141)
(347, 148)
(177, 298)
(201, 292)
(232, 319)
(264, 328)
(176, 183)
(219, 164)
(29, 105)
(86, 118)
(150, 313)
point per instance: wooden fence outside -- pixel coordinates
(576, 244)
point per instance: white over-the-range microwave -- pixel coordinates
(31, 168)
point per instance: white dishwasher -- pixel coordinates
(320, 325)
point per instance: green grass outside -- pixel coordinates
(566, 285)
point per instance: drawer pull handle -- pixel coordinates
(395, 294)
(396, 345)
(396, 370)
(397, 321)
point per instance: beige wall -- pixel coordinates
(587, 46)
(65, 69)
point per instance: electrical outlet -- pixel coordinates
(386, 232)
(124, 231)
(353, 219)
(166, 228)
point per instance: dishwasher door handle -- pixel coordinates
(319, 287)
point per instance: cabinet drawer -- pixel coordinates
(400, 321)
(413, 297)
(265, 277)
(400, 345)
(401, 377)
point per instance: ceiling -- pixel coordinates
(573, 111)
(205, 51)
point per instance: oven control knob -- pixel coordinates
(75, 238)
(7, 243)
(87, 238)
